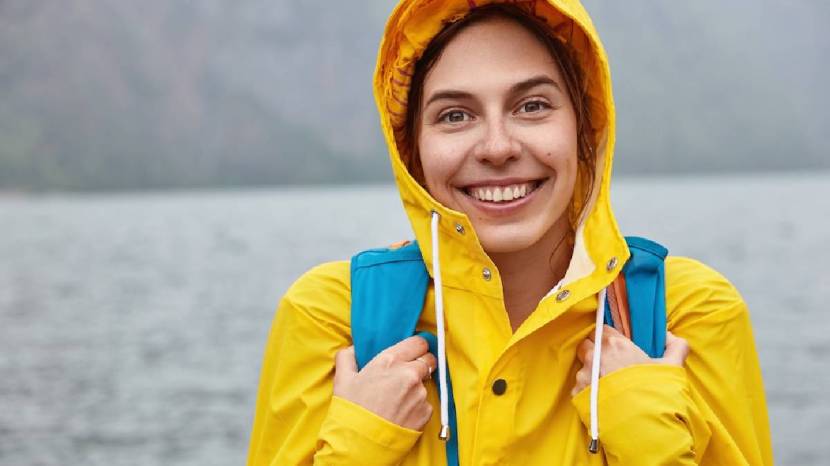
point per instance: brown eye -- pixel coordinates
(533, 106)
(454, 116)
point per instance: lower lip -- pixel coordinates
(504, 208)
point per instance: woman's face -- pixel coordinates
(497, 135)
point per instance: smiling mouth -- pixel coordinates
(506, 193)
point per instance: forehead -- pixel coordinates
(491, 54)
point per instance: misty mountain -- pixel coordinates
(98, 94)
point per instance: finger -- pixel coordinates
(673, 340)
(424, 365)
(420, 367)
(677, 349)
(426, 413)
(585, 348)
(583, 379)
(606, 331)
(344, 363)
(670, 337)
(408, 349)
(609, 331)
(430, 360)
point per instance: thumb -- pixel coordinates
(344, 363)
(676, 350)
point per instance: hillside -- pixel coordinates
(175, 93)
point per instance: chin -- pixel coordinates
(506, 240)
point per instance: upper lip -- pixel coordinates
(500, 182)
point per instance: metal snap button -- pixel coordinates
(612, 264)
(486, 274)
(563, 295)
(499, 386)
(459, 228)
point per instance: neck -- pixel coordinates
(528, 275)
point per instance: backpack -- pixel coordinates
(389, 286)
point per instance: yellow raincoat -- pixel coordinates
(710, 412)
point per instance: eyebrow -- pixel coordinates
(519, 87)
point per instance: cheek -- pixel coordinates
(558, 150)
(441, 159)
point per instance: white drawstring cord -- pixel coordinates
(439, 322)
(594, 446)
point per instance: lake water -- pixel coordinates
(132, 325)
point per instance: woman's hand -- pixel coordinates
(392, 384)
(618, 352)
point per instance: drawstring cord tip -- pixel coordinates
(594, 446)
(444, 435)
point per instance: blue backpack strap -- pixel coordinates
(389, 287)
(388, 291)
(645, 281)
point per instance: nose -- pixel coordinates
(497, 146)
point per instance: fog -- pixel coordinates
(98, 94)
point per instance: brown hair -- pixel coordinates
(562, 56)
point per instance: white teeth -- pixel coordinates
(501, 193)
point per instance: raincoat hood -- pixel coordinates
(409, 30)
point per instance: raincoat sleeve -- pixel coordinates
(297, 420)
(710, 412)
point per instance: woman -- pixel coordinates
(500, 125)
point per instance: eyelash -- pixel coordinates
(443, 117)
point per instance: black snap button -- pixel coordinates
(499, 386)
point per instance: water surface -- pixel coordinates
(132, 326)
